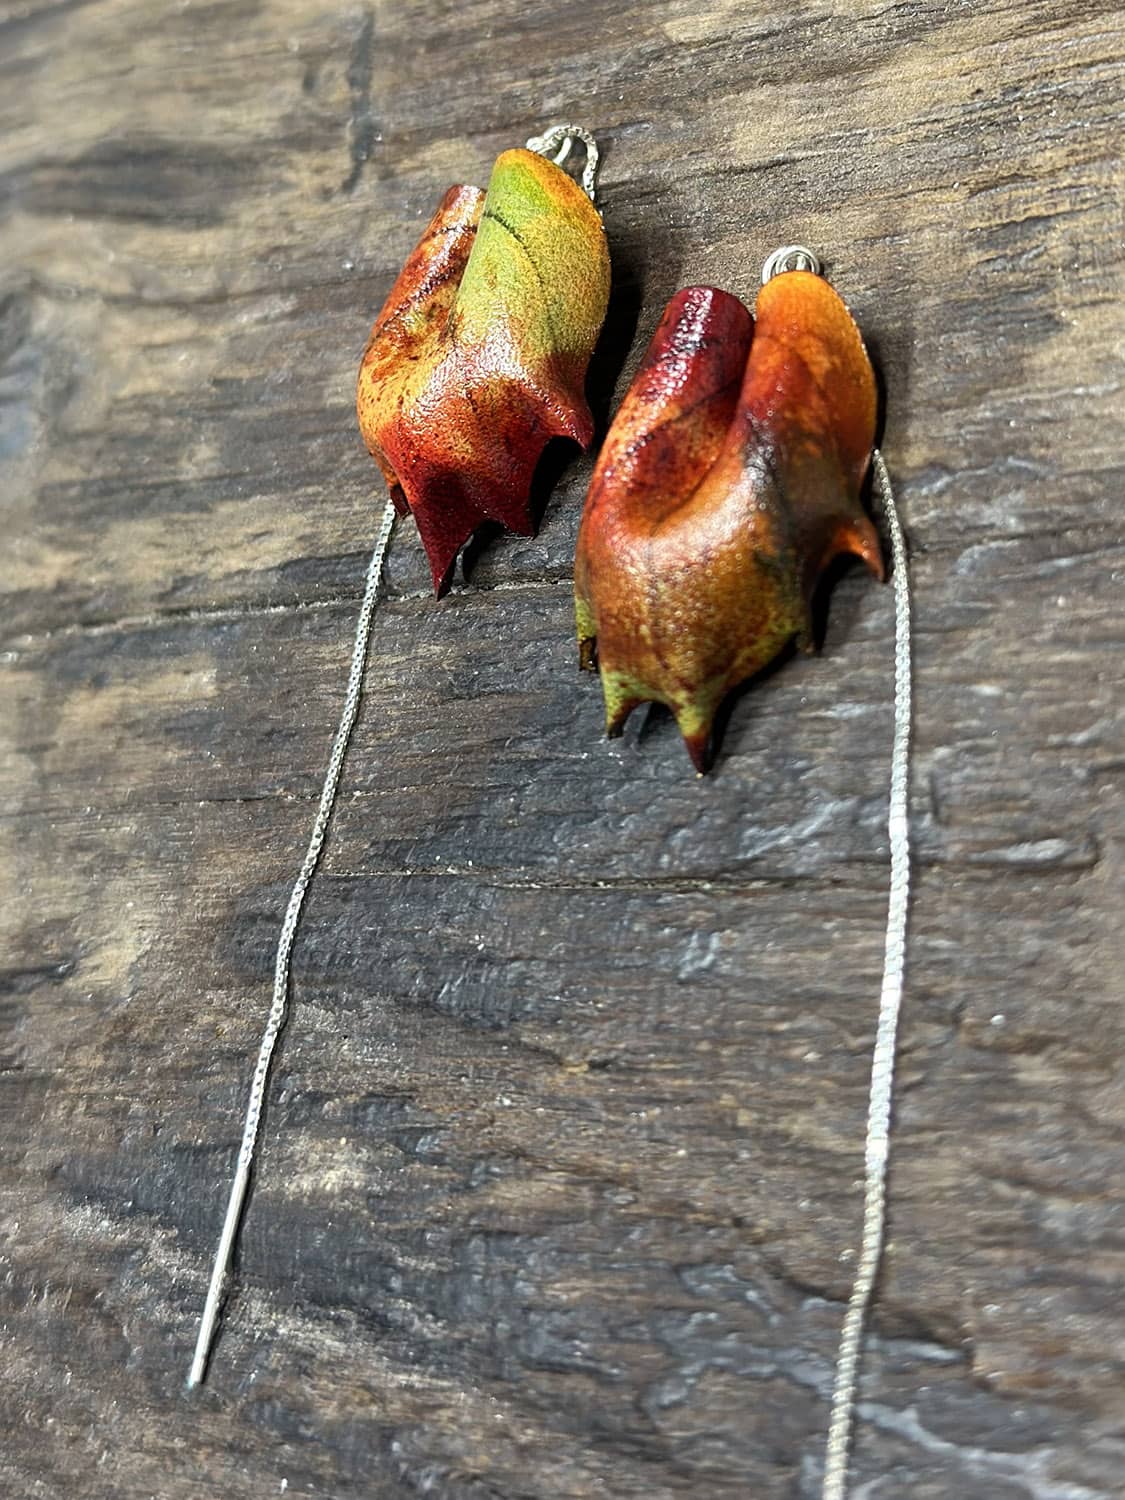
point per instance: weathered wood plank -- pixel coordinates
(559, 1181)
(638, 1167)
(480, 743)
(973, 251)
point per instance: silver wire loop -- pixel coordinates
(279, 1006)
(790, 258)
(556, 144)
(877, 1145)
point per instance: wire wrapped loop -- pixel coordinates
(790, 258)
(557, 143)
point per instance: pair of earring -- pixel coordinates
(730, 478)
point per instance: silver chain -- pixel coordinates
(890, 1003)
(556, 144)
(278, 1011)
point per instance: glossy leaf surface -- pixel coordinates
(478, 357)
(729, 480)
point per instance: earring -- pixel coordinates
(478, 357)
(729, 480)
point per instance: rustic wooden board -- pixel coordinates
(559, 1185)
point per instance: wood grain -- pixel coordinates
(559, 1182)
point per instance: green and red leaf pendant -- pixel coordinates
(478, 357)
(729, 480)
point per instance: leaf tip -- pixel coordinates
(699, 748)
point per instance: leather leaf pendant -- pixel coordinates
(729, 480)
(478, 357)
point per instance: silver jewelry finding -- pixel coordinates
(790, 258)
(559, 140)
(279, 1006)
(886, 1034)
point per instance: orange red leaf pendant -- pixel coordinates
(478, 357)
(729, 480)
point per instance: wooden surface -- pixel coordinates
(559, 1183)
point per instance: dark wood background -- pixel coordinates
(559, 1184)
